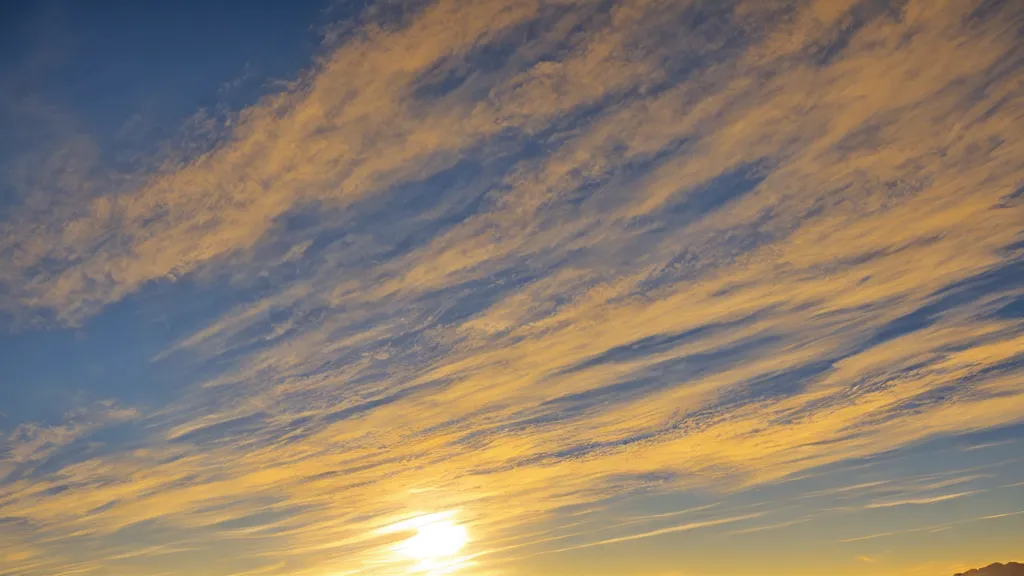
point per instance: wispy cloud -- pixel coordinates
(774, 526)
(928, 500)
(661, 531)
(932, 528)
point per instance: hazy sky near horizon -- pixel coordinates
(511, 287)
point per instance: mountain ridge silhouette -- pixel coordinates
(996, 569)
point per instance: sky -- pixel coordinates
(511, 287)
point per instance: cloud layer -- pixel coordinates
(519, 261)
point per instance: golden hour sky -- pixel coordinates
(511, 287)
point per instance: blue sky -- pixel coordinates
(644, 288)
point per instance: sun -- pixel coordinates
(435, 541)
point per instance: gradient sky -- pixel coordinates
(630, 288)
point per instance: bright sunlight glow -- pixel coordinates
(435, 540)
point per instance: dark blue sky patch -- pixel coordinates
(860, 15)
(986, 9)
(228, 431)
(510, 52)
(668, 374)
(132, 73)
(103, 441)
(935, 396)
(16, 522)
(1012, 310)
(715, 194)
(364, 407)
(960, 390)
(865, 138)
(47, 373)
(1019, 192)
(457, 303)
(656, 344)
(392, 223)
(775, 386)
(1012, 364)
(1003, 278)
(917, 320)
(719, 250)
(275, 326)
(697, 38)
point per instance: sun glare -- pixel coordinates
(433, 544)
(436, 540)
